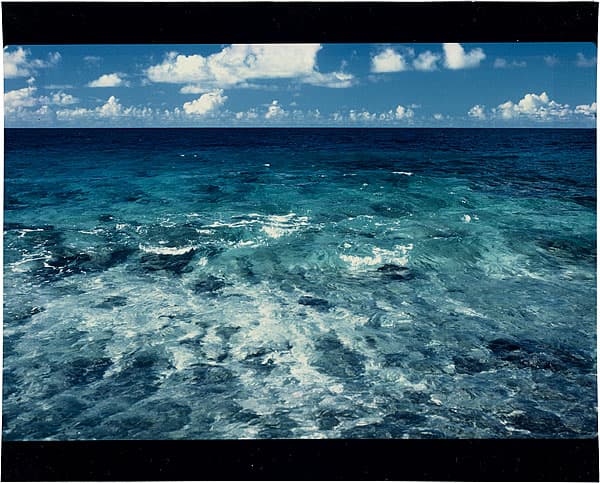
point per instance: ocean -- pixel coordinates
(299, 283)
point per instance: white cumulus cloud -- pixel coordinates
(361, 115)
(388, 61)
(275, 111)
(457, 58)
(477, 112)
(249, 115)
(108, 80)
(18, 64)
(313, 114)
(19, 98)
(17, 101)
(207, 103)
(15, 63)
(237, 64)
(586, 109)
(402, 112)
(69, 114)
(534, 107)
(111, 109)
(551, 60)
(59, 99)
(426, 61)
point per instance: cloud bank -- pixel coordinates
(533, 107)
(236, 65)
(18, 64)
(454, 55)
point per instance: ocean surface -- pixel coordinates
(299, 283)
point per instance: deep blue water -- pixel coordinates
(304, 283)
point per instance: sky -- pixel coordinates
(337, 85)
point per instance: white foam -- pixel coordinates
(468, 311)
(530, 274)
(419, 386)
(466, 218)
(380, 256)
(24, 231)
(281, 218)
(337, 388)
(404, 248)
(357, 262)
(166, 250)
(275, 232)
(245, 243)
(182, 358)
(405, 173)
(276, 226)
(236, 224)
(16, 266)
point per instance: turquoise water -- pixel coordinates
(299, 283)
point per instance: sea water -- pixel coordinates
(299, 283)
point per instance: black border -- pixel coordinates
(123, 23)
(457, 460)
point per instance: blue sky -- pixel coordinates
(379, 85)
